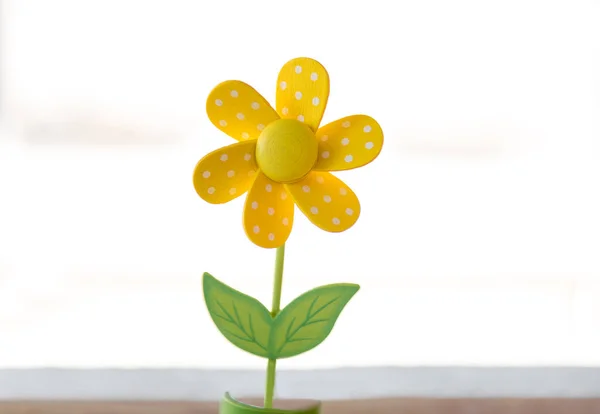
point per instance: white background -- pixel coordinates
(479, 238)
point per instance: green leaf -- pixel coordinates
(243, 320)
(308, 319)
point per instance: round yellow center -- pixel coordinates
(286, 150)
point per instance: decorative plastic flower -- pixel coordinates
(283, 157)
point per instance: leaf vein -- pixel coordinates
(250, 327)
(237, 323)
(225, 312)
(322, 307)
(315, 321)
(289, 338)
(228, 332)
(312, 304)
(289, 328)
(301, 339)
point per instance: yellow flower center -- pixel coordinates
(286, 150)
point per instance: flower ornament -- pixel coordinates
(283, 157)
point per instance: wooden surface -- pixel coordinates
(381, 406)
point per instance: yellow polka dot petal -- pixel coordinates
(238, 110)
(302, 91)
(348, 143)
(283, 157)
(226, 173)
(326, 201)
(268, 213)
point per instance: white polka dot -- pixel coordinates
(224, 157)
(230, 173)
(345, 141)
(240, 116)
(320, 179)
(223, 123)
(367, 129)
(251, 173)
(346, 124)
(245, 135)
(283, 85)
(285, 221)
(206, 174)
(298, 95)
(283, 195)
(298, 69)
(234, 94)
(247, 156)
(306, 188)
(369, 145)
(254, 205)
(211, 190)
(260, 127)
(325, 154)
(300, 118)
(335, 221)
(327, 198)
(232, 191)
(349, 211)
(219, 102)
(255, 105)
(269, 188)
(343, 191)
(314, 76)
(270, 211)
(271, 236)
(315, 100)
(324, 138)
(314, 210)
(285, 110)
(348, 158)
(256, 229)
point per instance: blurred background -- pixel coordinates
(479, 239)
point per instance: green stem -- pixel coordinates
(278, 280)
(275, 308)
(270, 388)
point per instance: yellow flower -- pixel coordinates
(280, 159)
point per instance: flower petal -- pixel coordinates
(237, 109)
(268, 213)
(326, 201)
(348, 143)
(302, 91)
(226, 173)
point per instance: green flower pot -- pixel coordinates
(231, 406)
